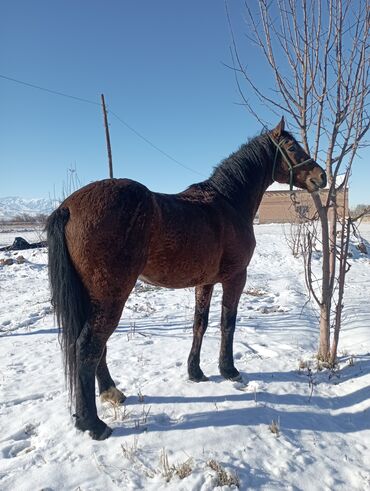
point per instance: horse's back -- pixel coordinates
(100, 198)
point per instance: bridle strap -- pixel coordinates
(291, 165)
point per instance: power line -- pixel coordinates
(154, 146)
(62, 94)
(49, 90)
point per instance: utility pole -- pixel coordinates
(107, 137)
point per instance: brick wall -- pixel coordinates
(277, 206)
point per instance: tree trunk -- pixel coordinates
(332, 219)
(343, 268)
(324, 343)
(325, 305)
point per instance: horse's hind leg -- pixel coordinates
(107, 388)
(203, 296)
(90, 348)
(232, 289)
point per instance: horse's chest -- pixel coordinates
(240, 248)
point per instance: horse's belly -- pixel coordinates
(177, 282)
(180, 275)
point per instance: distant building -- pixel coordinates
(280, 205)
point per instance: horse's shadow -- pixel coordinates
(346, 422)
(318, 413)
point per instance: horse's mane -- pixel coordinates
(243, 167)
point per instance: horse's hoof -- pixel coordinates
(97, 430)
(200, 378)
(231, 374)
(98, 435)
(113, 395)
(237, 378)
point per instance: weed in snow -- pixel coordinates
(116, 412)
(142, 421)
(140, 396)
(223, 477)
(181, 470)
(274, 427)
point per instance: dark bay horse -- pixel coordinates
(108, 234)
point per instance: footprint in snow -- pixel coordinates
(17, 449)
(21, 444)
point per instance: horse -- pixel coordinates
(110, 233)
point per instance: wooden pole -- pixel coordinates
(107, 137)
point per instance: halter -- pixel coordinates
(291, 165)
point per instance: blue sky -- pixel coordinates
(160, 66)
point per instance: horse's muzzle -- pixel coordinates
(316, 179)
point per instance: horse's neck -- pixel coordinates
(255, 195)
(243, 177)
(249, 197)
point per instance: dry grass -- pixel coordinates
(223, 477)
(132, 331)
(274, 427)
(145, 287)
(303, 365)
(255, 292)
(142, 421)
(168, 471)
(129, 451)
(140, 396)
(116, 411)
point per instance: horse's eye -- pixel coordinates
(291, 148)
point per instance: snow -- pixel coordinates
(321, 419)
(277, 186)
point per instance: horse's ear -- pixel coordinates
(279, 128)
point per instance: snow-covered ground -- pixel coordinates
(291, 427)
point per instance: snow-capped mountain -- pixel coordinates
(11, 206)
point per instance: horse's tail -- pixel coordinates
(69, 298)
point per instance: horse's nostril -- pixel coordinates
(323, 179)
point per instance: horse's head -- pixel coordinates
(292, 165)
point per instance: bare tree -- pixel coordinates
(317, 52)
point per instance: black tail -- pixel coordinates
(68, 296)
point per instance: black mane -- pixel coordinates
(247, 170)
(245, 167)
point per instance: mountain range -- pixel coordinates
(11, 206)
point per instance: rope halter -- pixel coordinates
(290, 163)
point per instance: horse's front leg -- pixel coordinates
(232, 289)
(203, 296)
